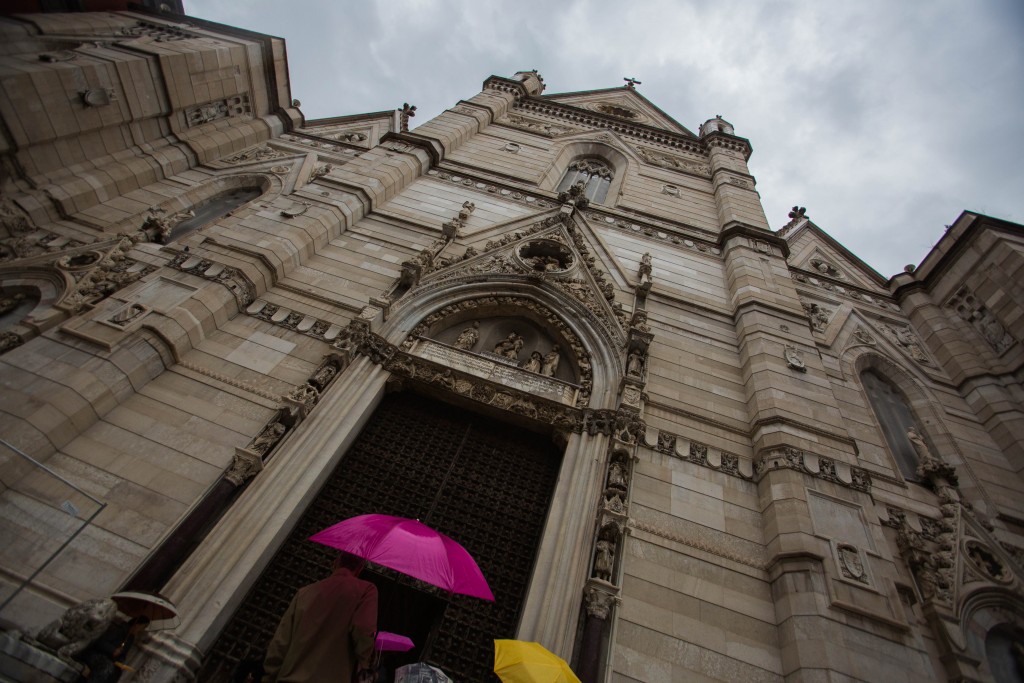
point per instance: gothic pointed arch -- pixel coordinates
(898, 401)
(591, 159)
(207, 203)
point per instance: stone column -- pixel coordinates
(213, 582)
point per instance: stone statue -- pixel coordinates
(604, 560)
(80, 624)
(267, 438)
(9, 303)
(550, 365)
(510, 346)
(469, 337)
(534, 364)
(635, 364)
(324, 375)
(616, 476)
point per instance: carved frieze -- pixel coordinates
(673, 162)
(503, 192)
(537, 126)
(418, 369)
(218, 109)
(846, 291)
(976, 314)
(905, 339)
(237, 282)
(261, 153)
(787, 457)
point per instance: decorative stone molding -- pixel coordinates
(536, 126)
(414, 368)
(160, 33)
(261, 153)
(584, 367)
(845, 290)
(698, 544)
(904, 339)
(658, 158)
(98, 273)
(818, 316)
(975, 313)
(679, 141)
(237, 282)
(786, 457)
(652, 232)
(507, 193)
(794, 358)
(218, 109)
(599, 601)
(245, 465)
(230, 381)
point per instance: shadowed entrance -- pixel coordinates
(486, 484)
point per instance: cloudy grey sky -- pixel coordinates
(885, 118)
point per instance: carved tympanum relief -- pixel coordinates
(516, 342)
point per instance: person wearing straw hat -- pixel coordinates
(328, 631)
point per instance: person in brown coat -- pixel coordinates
(328, 630)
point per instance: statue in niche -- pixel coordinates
(550, 365)
(9, 303)
(323, 376)
(510, 346)
(535, 362)
(267, 438)
(635, 364)
(469, 337)
(604, 559)
(616, 475)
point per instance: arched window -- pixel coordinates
(213, 208)
(595, 174)
(895, 417)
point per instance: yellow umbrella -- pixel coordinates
(516, 661)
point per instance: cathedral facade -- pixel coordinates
(682, 444)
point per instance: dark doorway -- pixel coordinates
(486, 484)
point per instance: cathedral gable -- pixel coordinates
(624, 104)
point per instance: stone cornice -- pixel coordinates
(735, 228)
(515, 88)
(637, 131)
(595, 119)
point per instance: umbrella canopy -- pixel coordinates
(152, 605)
(392, 642)
(516, 661)
(409, 547)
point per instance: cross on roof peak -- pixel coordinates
(631, 83)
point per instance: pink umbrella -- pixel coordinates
(392, 642)
(411, 548)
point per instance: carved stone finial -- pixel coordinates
(406, 113)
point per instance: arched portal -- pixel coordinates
(483, 482)
(541, 596)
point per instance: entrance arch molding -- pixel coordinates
(604, 351)
(215, 579)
